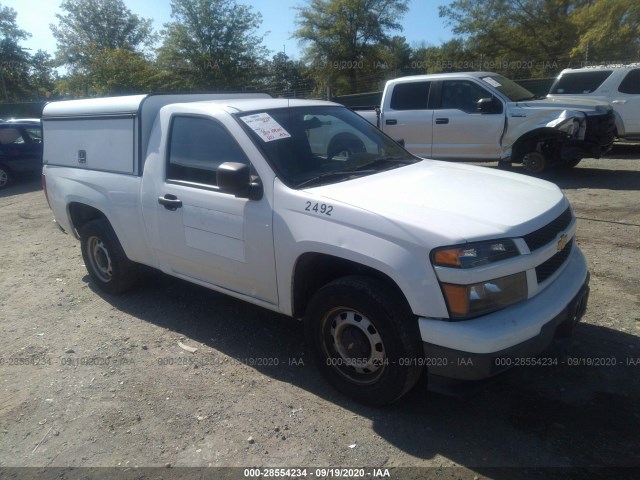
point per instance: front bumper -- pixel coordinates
(483, 347)
(597, 141)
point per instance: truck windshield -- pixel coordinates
(509, 88)
(315, 145)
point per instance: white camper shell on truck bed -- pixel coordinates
(111, 134)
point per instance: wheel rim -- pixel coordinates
(3, 178)
(99, 259)
(353, 346)
(534, 162)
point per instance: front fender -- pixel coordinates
(524, 124)
(354, 235)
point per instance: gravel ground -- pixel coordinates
(91, 380)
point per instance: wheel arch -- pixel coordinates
(529, 141)
(314, 270)
(80, 214)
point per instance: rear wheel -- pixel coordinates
(364, 339)
(106, 262)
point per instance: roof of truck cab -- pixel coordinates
(597, 68)
(442, 76)
(252, 105)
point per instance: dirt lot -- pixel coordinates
(91, 380)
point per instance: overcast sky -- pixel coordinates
(421, 23)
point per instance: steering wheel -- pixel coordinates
(346, 144)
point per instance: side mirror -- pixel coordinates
(235, 178)
(489, 105)
(399, 141)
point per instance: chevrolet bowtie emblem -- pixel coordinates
(562, 242)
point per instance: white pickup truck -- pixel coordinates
(485, 116)
(395, 263)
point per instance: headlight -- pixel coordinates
(573, 128)
(466, 301)
(473, 255)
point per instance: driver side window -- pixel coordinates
(462, 95)
(198, 146)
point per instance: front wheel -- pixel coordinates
(571, 163)
(106, 262)
(534, 162)
(364, 339)
(4, 176)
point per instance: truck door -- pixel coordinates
(460, 131)
(199, 232)
(406, 116)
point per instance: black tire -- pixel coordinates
(5, 177)
(534, 162)
(361, 318)
(571, 163)
(106, 262)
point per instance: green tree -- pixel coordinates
(14, 60)
(113, 72)
(395, 58)
(451, 56)
(343, 38)
(607, 31)
(42, 76)
(286, 77)
(89, 26)
(212, 44)
(519, 38)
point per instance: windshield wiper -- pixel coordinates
(528, 99)
(383, 160)
(337, 174)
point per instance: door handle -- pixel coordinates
(619, 102)
(442, 121)
(391, 121)
(170, 202)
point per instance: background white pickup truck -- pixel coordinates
(396, 264)
(485, 116)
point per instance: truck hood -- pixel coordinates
(450, 202)
(588, 106)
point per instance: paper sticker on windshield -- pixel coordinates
(492, 82)
(266, 127)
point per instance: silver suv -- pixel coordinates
(618, 85)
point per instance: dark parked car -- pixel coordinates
(20, 150)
